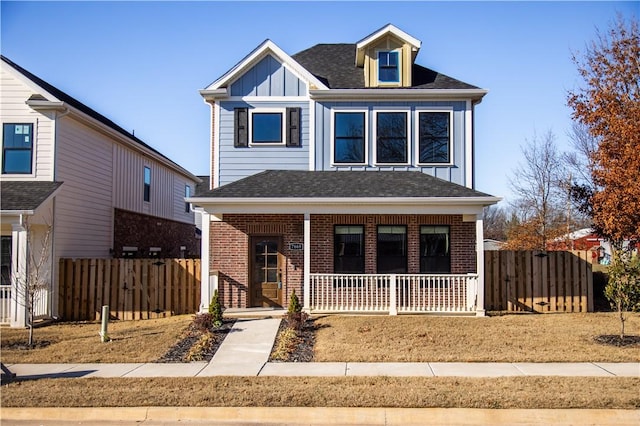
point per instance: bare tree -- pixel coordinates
(31, 285)
(495, 220)
(539, 184)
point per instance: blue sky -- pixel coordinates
(142, 63)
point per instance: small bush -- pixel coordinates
(201, 347)
(215, 309)
(294, 304)
(286, 344)
(203, 322)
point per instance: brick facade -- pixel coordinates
(143, 231)
(229, 247)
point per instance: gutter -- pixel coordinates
(394, 94)
(433, 201)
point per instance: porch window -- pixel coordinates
(349, 137)
(392, 249)
(435, 246)
(434, 137)
(348, 252)
(391, 137)
(17, 148)
(5, 260)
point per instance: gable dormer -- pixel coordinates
(386, 57)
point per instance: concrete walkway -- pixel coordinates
(245, 352)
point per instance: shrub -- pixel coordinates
(201, 347)
(623, 288)
(202, 322)
(215, 309)
(294, 304)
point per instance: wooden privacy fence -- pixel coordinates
(531, 281)
(133, 288)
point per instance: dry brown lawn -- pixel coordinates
(512, 392)
(132, 341)
(507, 338)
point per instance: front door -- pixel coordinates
(266, 275)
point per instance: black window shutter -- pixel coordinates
(293, 127)
(241, 125)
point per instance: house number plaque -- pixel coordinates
(295, 246)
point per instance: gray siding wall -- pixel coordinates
(268, 78)
(453, 173)
(238, 163)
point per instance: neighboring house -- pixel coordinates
(492, 245)
(344, 172)
(100, 190)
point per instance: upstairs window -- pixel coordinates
(17, 148)
(348, 251)
(388, 67)
(435, 254)
(434, 137)
(349, 137)
(391, 138)
(266, 128)
(187, 194)
(147, 184)
(392, 249)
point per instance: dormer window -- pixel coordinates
(389, 67)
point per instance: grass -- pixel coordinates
(511, 392)
(508, 338)
(131, 341)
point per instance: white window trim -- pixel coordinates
(417, 135)
(34, 127)
(374, 138)
(366, 135)
(283, 114)
(389, 83)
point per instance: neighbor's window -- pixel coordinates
(17, 148)
(348, 251)
(5, 260)
(147, 184)
(435, 246)
(434, 137)
(388, 67)
(349, 137)
(391, 137)
(187, 194)
(266, 127)
(392, 249)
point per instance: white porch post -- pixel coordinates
(19, 241)
(307, 262)
(393, 301)
(480, 311)
(206, 291)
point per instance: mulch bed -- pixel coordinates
(179, 351)
(302, 351)
(615, 340)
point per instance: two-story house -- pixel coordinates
(93, 189)
(344, 172)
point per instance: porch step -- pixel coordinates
(254, 312)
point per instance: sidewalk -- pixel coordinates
(245, 352)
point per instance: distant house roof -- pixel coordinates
(62, 96)
(334, 65)
(342, 184)
(25, 195)
(203, 186)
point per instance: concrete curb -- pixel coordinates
(324, 415)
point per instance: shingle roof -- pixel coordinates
(335, 65)
(62, 96)
(340, 184)
(25, 195)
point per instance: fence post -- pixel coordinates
(393, 304)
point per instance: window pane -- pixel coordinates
(391, 137)
(17, 143)
(266, 127)
(388, 70)
(147, 184)
(349, 137)
(17, 161)
(434, 137)
(435, 249)
(349, 249)
(5, 260)
(392, 249)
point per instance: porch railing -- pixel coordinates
(5, 304)
(393, 293)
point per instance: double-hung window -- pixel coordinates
(392, 249)
(434, 137)
(435, 256)
(389, 67)
(17, 148)
(348, 250)
(349, 137)
(392, 137)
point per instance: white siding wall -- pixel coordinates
(84, 213)
(13, 94)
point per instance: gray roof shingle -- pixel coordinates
(335, 65)
(25, 195)
(340, 184)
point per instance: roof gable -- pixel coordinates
(385, 31)
(268, 77)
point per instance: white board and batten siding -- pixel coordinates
(14, 91)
